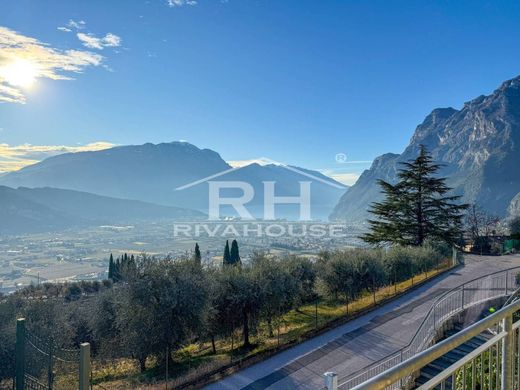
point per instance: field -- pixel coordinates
(83, 254)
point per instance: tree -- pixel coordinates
(416, 208)
(239, 300)
(131, 268)
(215, 313)
(480, 225)
(117, 271)
(168, 299)
(197, 256)
(398, 263)
(514, 227)
(279, 288)
(104, 323)
(132, 317)
(111, 267)
(370, 270)
(339, 277)
(227, 255)
(303, 271)
(234, 255)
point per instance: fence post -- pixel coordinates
(463, 295)
(84, 366)
(453, 256)
(331, 380)
(50, 374)
(20, 354)
(507, 353)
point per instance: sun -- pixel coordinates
(19, 73)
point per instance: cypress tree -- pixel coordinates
(131, 269)
(124, 266)
(117, 270)
(227, 255)
(417, 207)
(111, 268)
(234, 254)
(197, 255)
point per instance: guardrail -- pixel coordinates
(493, 365)
(496, 285)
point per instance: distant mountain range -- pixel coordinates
(153, 173)
(26, 210)
(479, 146)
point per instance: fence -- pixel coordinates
(511, 244)
(479, 290)
(41, 365)
(493, 365)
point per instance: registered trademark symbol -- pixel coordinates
(341, 158)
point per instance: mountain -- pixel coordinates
(152, 173)
(26, 210)
(479, 146)
(146, 172)
(325, 192)
(20, 215)
(514, 207)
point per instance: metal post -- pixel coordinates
(50, 374)
(20, 354)
(167, 360)
(453, 256)
(84, 366)
(507, 353)
(316, 314)
(463, 295)
(331, 380)
(400, 361)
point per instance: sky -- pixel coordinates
(326, 85)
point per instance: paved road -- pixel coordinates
(356, 344)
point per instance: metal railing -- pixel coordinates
(493, 365)
(496, 285)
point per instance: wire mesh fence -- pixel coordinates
(41, 364)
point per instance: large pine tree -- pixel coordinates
(417, 207)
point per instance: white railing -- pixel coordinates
(479, 290)
(493, 365)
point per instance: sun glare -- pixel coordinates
(19, 73)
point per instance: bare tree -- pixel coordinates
(481, 225)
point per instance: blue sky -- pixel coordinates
(296, 81)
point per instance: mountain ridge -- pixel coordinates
(31, 210)
(154, 173)
(478, 146)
